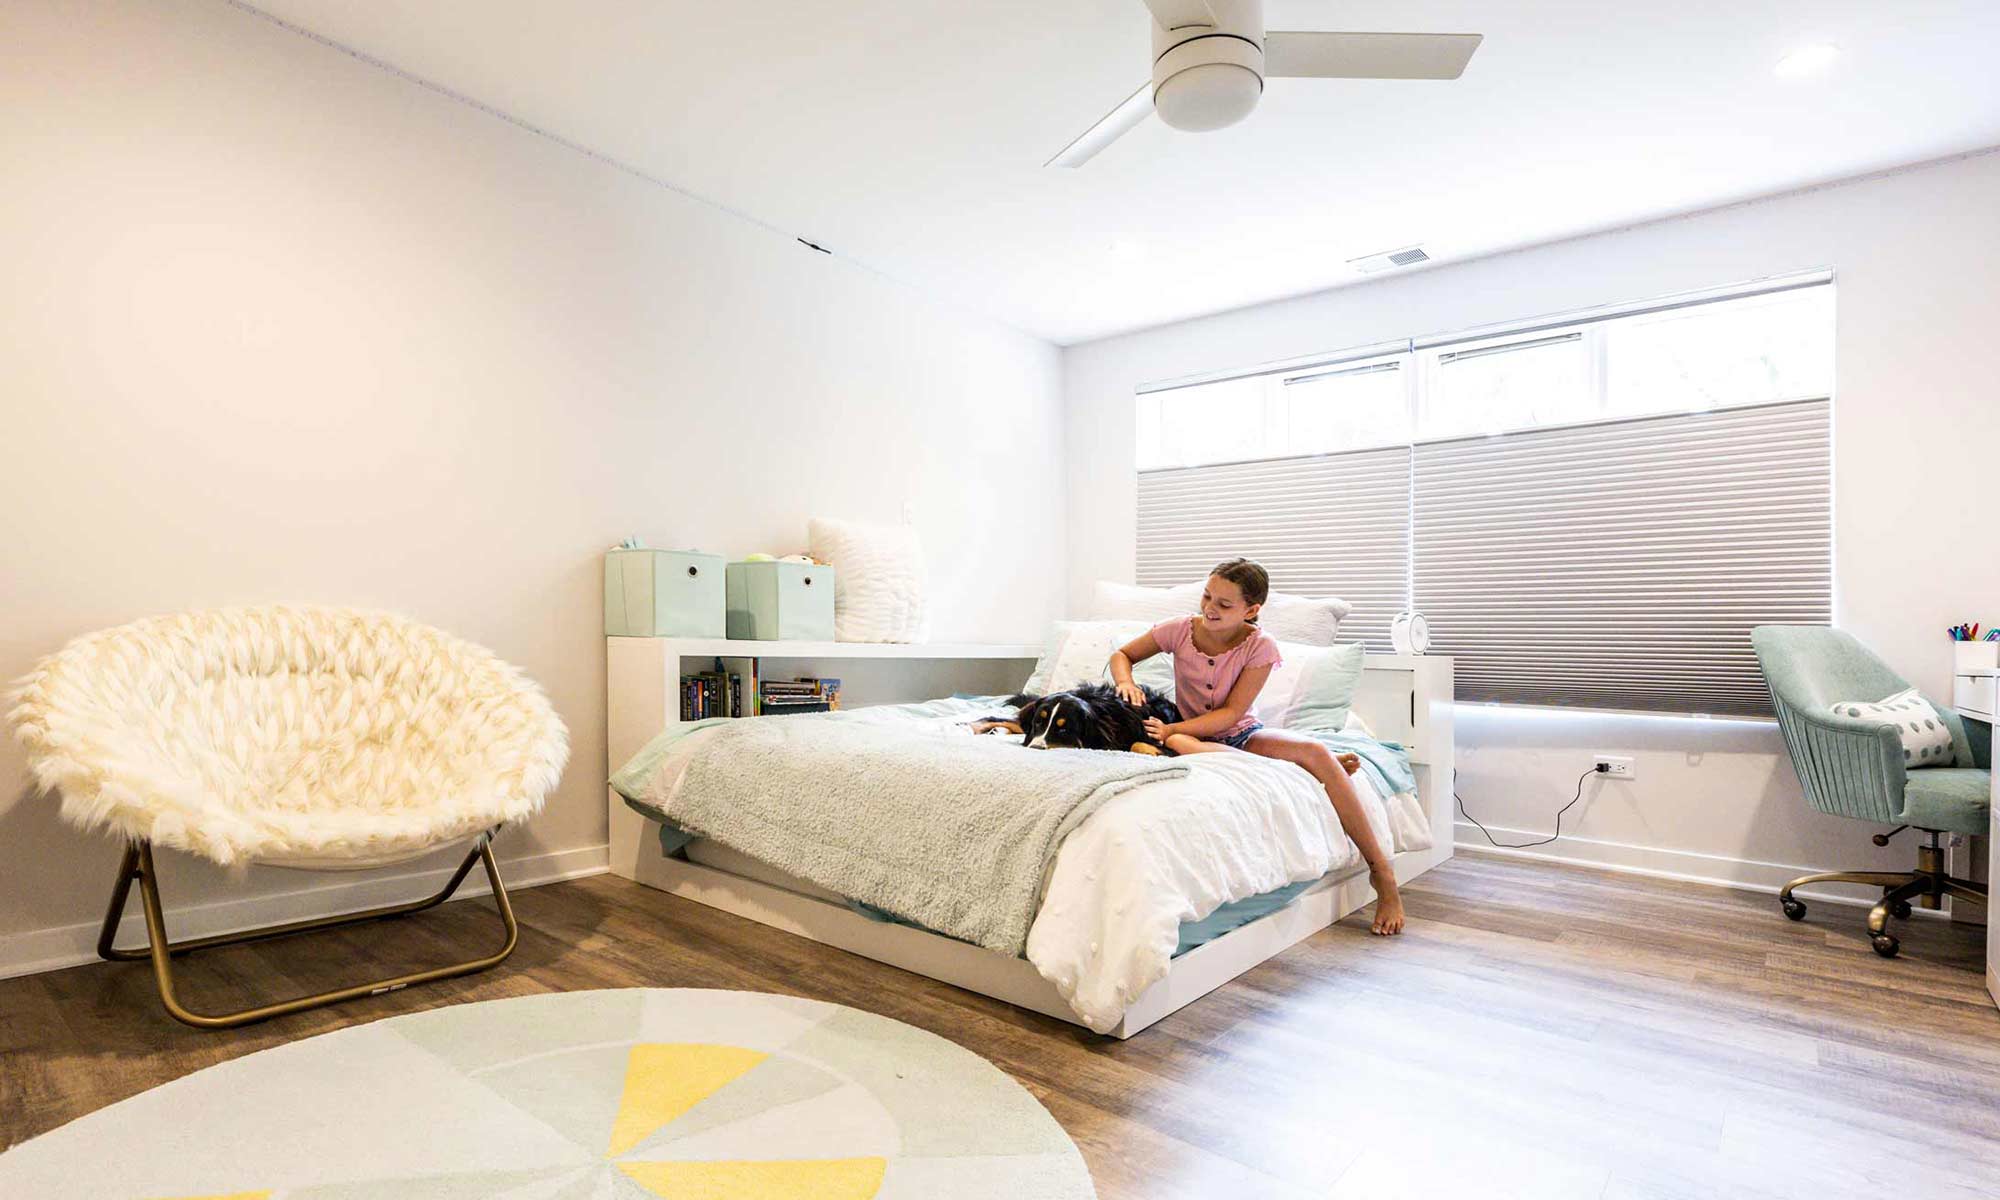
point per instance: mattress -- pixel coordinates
(1227, 917)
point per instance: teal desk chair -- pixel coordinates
(1853, 767)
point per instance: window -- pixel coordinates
(1179, 428)
(1758, 350)
(1591, 511)
(1517, 384)
(1347, 408)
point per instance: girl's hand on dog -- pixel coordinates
(1130, 694)
(1157, 729)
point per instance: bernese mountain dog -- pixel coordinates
(1091, 717)
(1094, 717)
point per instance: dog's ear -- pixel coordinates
(1029, 706)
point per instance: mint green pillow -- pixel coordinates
(1313, 689)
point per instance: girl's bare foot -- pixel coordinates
(1388, 902)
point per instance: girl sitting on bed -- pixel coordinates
(1221, 661)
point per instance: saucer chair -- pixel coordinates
(314, 738)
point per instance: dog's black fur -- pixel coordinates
(1091, 717)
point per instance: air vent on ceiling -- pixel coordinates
(1408, 256)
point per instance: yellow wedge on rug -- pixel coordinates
(792, 1179)
(664, 1080)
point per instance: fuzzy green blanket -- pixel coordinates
(954, 833)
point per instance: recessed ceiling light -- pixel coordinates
(1806, 60)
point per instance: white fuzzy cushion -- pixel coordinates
(288, 735)
(1307, 620)
(878, 580)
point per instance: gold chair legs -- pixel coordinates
(1928, 885)
(138, 864)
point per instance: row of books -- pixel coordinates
(720, 693)
(798, 695)
(711, 694)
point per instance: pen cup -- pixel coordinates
(1975, 656)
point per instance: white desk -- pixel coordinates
(1973, 698)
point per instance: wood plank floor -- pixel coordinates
(1540, 1032)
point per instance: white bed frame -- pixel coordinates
(1404, 698)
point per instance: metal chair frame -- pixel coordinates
(138, 865)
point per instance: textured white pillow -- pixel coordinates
(878, 580)
(1926, 738)
(1079, 652)
(1290, 618)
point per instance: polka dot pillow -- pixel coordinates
(1926, 738)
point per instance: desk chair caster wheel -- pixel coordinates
(1885, 944)
(1900, 910)
(1795, 909)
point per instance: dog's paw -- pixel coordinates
(1144, 748)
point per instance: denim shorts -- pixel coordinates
(1235, 740)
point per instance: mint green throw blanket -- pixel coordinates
(952, 832)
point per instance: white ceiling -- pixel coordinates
(909, 136)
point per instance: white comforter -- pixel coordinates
(1168, 852)
(1154, 857)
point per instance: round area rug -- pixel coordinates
(687, 1094)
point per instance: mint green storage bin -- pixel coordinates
(663, 593)
(780, 602)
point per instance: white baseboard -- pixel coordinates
(70, 945)
(1750, 875)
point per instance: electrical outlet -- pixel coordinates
(1617, 766)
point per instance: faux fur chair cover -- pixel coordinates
(311, 737)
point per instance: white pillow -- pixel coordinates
(1131, 602)
(878, 580)
(1313, 689)
(1312, 622)
(1079, 652)
(1302, 619)
(1926, 738)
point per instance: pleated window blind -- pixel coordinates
(1622, 565)
(1646, 483)
(1326, 525)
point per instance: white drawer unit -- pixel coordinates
(1972, 693)
(1992, 925)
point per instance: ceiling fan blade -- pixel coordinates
(1172, 14)
(1368, 55)
(1121, 120)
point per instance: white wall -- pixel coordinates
(278, 325)
(1916, 420)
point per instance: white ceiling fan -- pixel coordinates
(1211, 57)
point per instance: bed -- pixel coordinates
(1130, 925)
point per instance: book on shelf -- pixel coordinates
(722, 693)
(799, 695)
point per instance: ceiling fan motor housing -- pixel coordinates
(1210, 76)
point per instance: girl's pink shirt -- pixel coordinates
(1202, 681)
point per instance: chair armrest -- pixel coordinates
(1849, 766)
